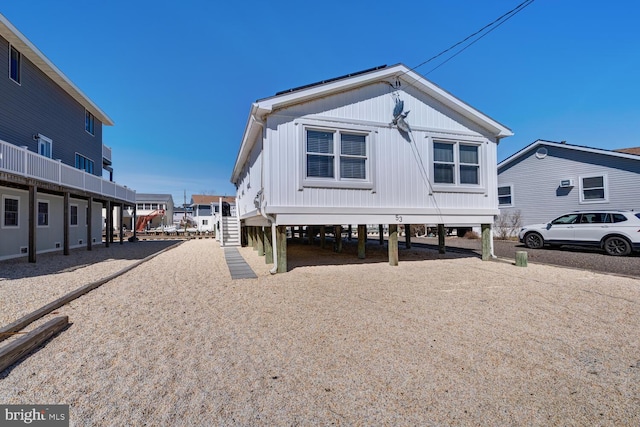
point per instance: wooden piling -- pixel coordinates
(393, 244)
(441, 235)
(486, 241)
(281, 247)
(268, 246)
(362, 240)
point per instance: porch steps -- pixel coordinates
(231, 231)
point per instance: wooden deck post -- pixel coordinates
(65, 226)
(381, 234)
(337, 234)
(393, 244)
(268, 246)
(281, 247)
(89, 224)
(486, 241)
(107, 225)
(349, 233)
(260, 239)
(120, 222)
(362, 240)
(407, 236)
(33, 221)
(441, 234)
(323, 237)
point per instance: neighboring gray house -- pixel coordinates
(546, 179)
(347, 151)
(51, 156)
(158, 208)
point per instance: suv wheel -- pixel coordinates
(617, 246)
(533, 241)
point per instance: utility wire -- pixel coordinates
(505, 17)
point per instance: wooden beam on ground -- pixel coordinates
(268, 246)
(260, 239)
(362, 240)
(381, 234)
(486, 241)
(281, 247)
(323, 237)
(65, 226)
(441, 234)
(18, 325)
(337, 234)
(407, 236)
(24, 345)
(393, 244)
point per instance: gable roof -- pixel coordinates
(263, 107)
(542, 142)
(201, 199)
(148, 197)
(28, 50)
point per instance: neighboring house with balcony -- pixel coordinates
(205, 208)
(547, 179)
(347, 151)
(51, 156)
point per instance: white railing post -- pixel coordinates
(221, 222)
(26, 160)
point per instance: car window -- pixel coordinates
(594, 218)
(566, 219)
(618, 217)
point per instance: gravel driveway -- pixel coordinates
(585, 258)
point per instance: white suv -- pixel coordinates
(617, 232)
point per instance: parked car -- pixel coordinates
(617, 232)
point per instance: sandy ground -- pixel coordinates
(438, 340)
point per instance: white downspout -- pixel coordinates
(263, 202)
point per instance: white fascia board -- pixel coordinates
(253, 126)
(541, 142)
(28, 50)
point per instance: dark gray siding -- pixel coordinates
(38, 105)
(536, 182)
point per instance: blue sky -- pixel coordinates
(178, 78)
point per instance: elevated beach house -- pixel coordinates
(381, 146)
(547, 179)
(51, 157)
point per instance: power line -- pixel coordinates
(499, 21)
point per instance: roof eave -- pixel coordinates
(33, 54)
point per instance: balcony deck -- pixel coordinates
(22, 162)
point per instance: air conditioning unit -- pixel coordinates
(566, 183)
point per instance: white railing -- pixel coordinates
(21, 161)
(106, 153)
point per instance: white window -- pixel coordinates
(15, 64)
(45, 146)
(89, 122)
(337, 158)
(456, 163)
(43, 213)
(505, 196)
(73, 215)
(593, 189)
(10, 212)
